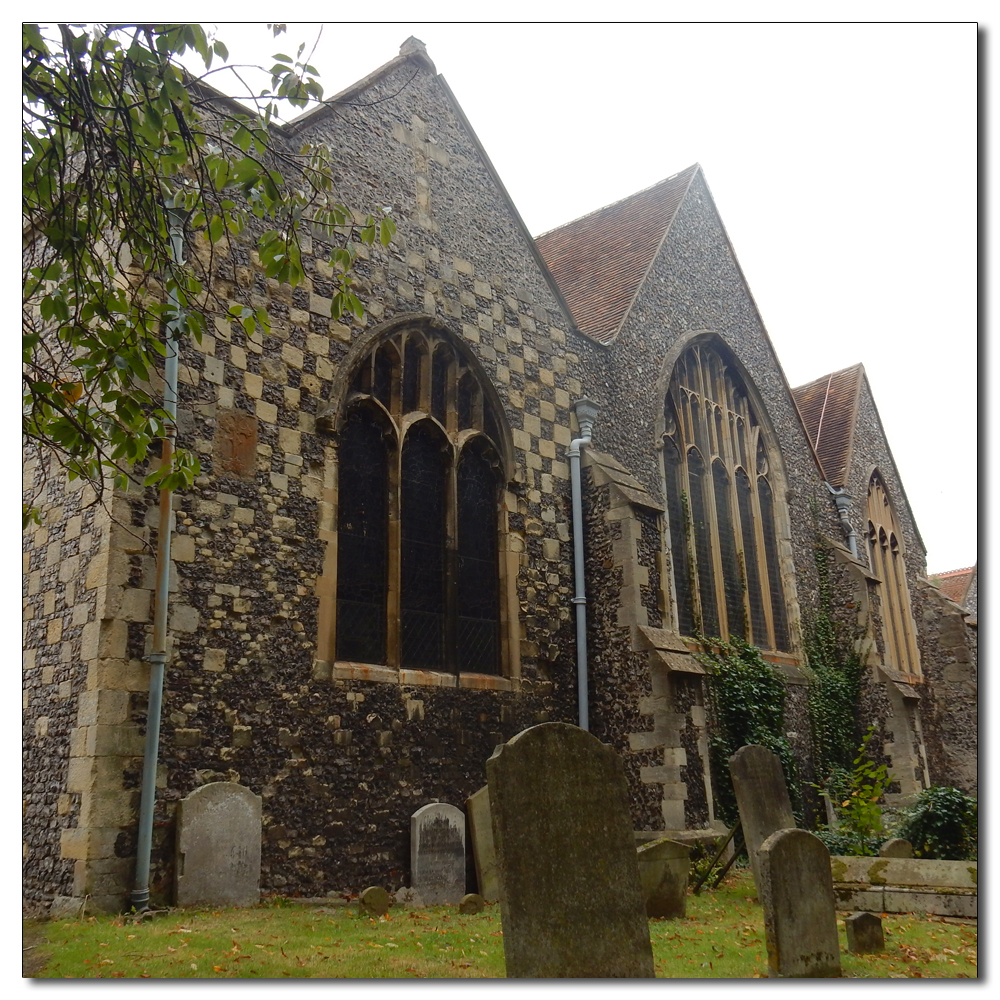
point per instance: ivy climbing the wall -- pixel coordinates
(835, 687)
(747, 704)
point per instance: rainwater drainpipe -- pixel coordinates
(157, 659)
(842, 501)
(586, 413)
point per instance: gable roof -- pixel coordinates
(955, 583)
(829, 408)
(600, 260)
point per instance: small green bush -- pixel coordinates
(943, 823)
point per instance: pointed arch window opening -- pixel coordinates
(725, 561)
(889, 566)
(432, 597)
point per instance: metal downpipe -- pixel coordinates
(157, 659)
(842, 501)
(586, 412)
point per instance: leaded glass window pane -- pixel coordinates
(477, 596)
(423, 533)
(412, 358)
(781, 640)
(732, 576)
(758, 620)
(362, 541)
(702, 544)
(439, 384)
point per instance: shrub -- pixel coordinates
(943, 823)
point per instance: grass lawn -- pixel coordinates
(722, 937)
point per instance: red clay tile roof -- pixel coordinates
(955, 583)
(829, 408)
(599, 261)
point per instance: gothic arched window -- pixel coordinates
(721, 513)
(419, 488)
(886, 553)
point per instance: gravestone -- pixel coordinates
(409, 898)
(218, 846)
(864, 934)
(477, 808)
(437, 853)
(471, 903)
(796, 892)
(663, 874)
(896, 847)
(373, 902)
(762, 798)
(570, 899)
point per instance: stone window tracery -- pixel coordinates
(886, 554)
(419, 491)
(721, 515)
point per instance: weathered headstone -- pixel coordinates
(896, 847)
(762, 798)
(218, 846)
(409, 898)
(477, 808)
(373, 902)
(437, 853)
(570, 898)
(663, 874)
(864, 934)
(796, 892)
(471, 903)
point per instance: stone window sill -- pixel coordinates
(344, 670)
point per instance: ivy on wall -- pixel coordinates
(835, 688)
(747, 705)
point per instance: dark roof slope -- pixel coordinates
(829, 408)
(600, 261)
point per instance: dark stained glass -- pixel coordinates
(439, 383)
(781, 639)
(466, 401)
(423, 536)
(732, 576)
(362, 541)
(678, 538)
(362, 381)
(477, 596)
(758, 619)
(702, 544)
(382, 388)
(412, 359)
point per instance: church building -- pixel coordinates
(373, 580)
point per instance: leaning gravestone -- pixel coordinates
(663, 874)
(437, 853)
(218, 846)
(570, 898)
(796, 893)
(477, 808)
(762, 798)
